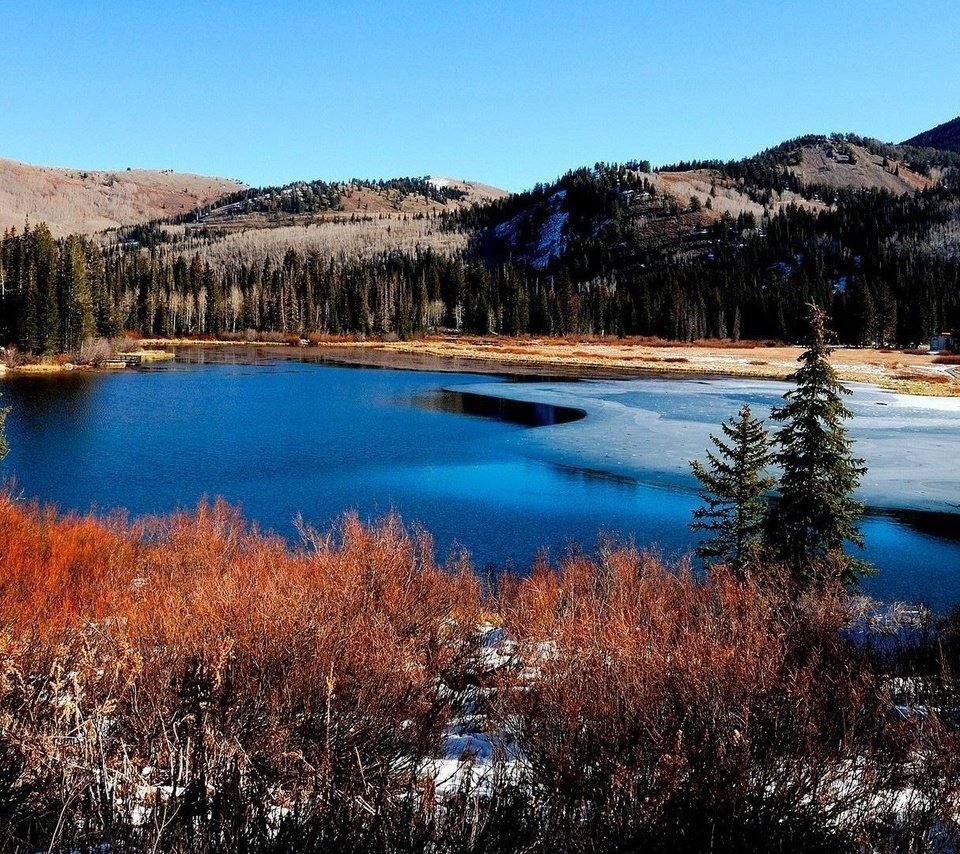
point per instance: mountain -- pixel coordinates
(87, 201)
(359, 218)
(738, 248)
(945, 137)
(706, 249)
(159, 207)
(626, 211)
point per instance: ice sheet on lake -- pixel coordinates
(649, 430)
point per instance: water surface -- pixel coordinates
(502, 469)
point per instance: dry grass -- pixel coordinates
(895, 370)
(816, 167)
(917, 377)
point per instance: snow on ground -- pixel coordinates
(551, 237)
(476, 755)
(551, 242)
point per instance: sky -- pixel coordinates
(505, 93)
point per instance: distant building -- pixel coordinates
(943, 341)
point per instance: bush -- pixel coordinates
(190, 673)
(658, 713)
(187, 683)
(95, 351)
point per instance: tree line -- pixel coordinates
(868, 261)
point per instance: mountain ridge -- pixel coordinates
(85, 201)
(944, 137)
(807, 171)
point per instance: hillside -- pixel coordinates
(306, 202)
(81, 201)
(945, 137)
(627, 211)
(823, 164)
(345, 236)
(810, 170)
(357, 219)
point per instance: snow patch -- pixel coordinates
(552, 241)
(551, 238)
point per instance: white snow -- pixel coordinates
(551, 239)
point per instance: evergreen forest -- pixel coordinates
(603, 251)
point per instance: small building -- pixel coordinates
(943, 341)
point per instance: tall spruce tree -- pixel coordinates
(734, 488)
(816, 514)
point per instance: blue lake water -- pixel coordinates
(284, 437)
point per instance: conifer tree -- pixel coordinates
(734, 488)
(76, 302)
(27, 319)
(816, 514)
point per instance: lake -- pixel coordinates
(502, 468)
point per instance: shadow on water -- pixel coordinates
(933, 523)
(594, 476)
(226, 355)
(523, 412)
(34, 395)
(363, 359)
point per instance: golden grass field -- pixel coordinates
(890, 369)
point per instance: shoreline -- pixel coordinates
(45, 366)
(890, 370)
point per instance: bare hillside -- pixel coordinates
(856, 168)
(75, 200)
(475, 191)
(373, 200)
(817, 165)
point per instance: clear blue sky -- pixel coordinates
(507, 93)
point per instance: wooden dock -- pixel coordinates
(125, 360)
